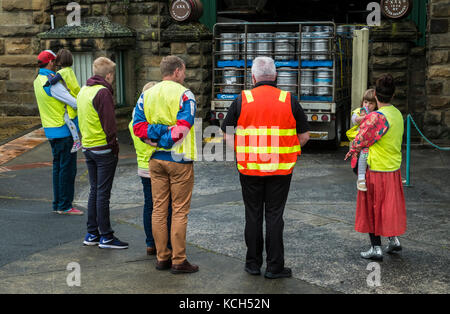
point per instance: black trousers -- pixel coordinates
(265, 197)
(101, 168)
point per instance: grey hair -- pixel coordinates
(263, 69)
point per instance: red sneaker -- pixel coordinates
(71, 211)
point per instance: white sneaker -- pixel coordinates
(374, 253)
(361, 185)
(394, 245)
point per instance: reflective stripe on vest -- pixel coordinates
(264, 131)
(386, 154)
(51, 110)
(248, 96)
(143, 150)
(268, 167)
(161, 106)
(283, 95)
(266, 136)
(90, 126)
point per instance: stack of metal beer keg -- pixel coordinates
(229, 51)
(283, 47)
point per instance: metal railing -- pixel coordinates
(410, 120)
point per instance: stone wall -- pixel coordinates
(147, 18)
(422, 74)
(192, 43)
(157, 35)
(437, 116)
(390, 52)
(20, 22)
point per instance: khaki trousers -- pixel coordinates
(176, 181)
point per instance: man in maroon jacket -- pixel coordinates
(99, 138)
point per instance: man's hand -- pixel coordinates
(303, 138)
(150, 142)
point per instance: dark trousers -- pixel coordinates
(265, 197)
(148, 210)
(101, 168)
(64, 172)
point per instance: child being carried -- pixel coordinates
(368, 105)
(66, 76)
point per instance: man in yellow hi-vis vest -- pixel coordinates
(51, 109)
(164, 117)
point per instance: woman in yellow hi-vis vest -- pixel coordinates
(381, 210)
(66, 76)
(164, 117)
(143, 155)
(51, 110)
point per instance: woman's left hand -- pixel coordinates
(150, 142)
(349, 154)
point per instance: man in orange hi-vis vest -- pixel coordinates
(267, 127)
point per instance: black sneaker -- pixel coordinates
(112, 243)
(285, 273)
(252, 270)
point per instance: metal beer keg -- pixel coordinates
(229, 46)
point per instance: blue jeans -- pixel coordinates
(101, 168)
(148, 210)
(64, 172)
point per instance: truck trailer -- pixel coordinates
(313, 62)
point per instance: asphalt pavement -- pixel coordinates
(39, 248)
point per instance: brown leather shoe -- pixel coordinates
(163, 265)
(184, 267)
(151, 251)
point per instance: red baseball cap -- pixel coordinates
(46, 56)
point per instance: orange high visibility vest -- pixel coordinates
(266, 141)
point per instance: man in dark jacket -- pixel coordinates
(99, 138)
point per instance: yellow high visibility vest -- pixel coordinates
(91, 128)
(161, 106)
(386, 154)
(74, 88)
(143, 150)
(51, 110)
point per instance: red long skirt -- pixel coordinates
(381, 210)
